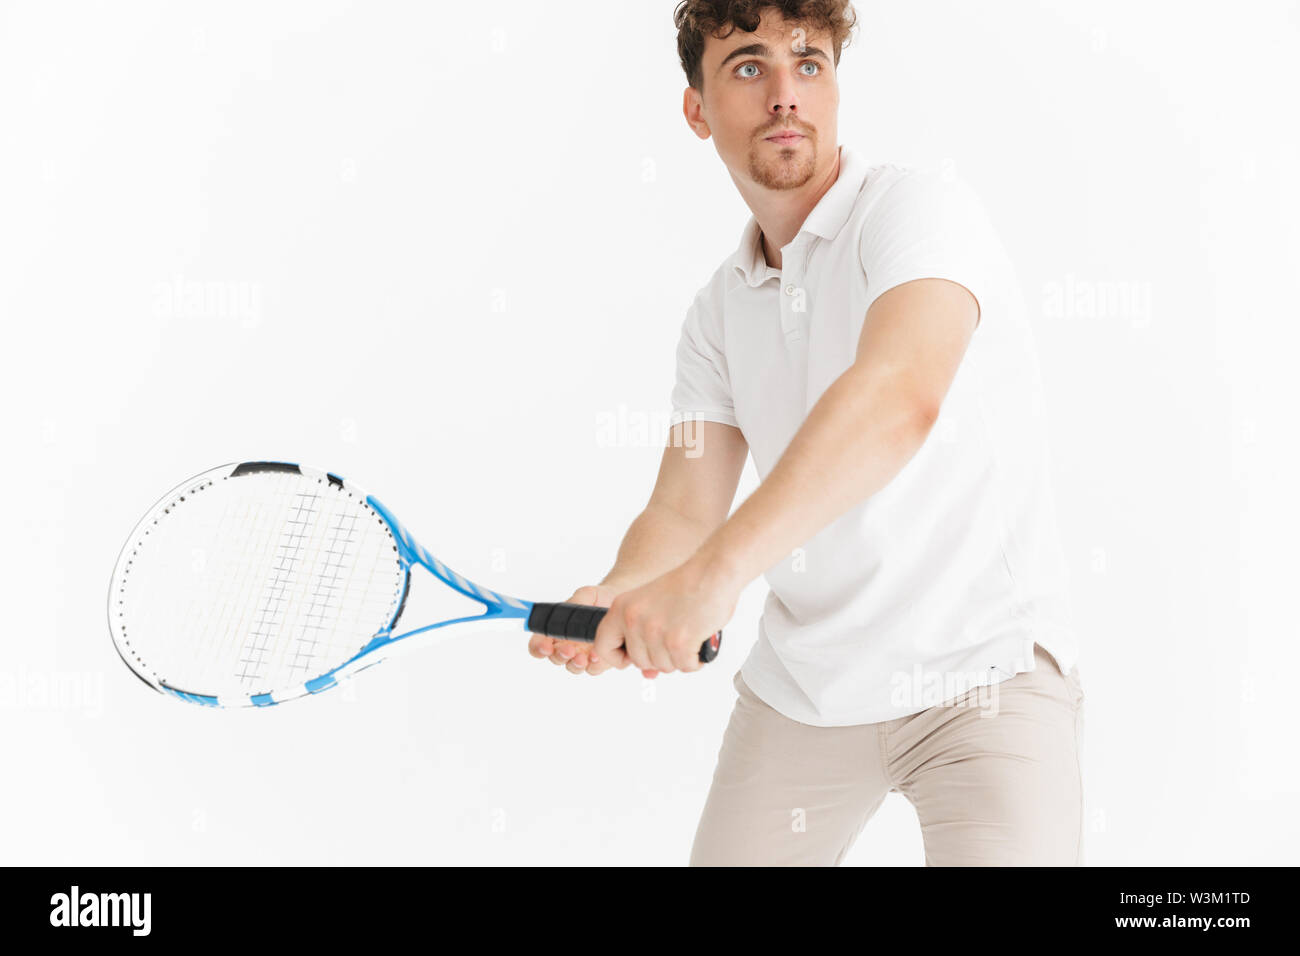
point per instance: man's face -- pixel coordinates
(757, 86)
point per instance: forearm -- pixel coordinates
(658, 540)
(857, 437)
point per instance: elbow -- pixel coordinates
(924, 414)
(915, 409)
(916, 421)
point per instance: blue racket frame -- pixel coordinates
(497, 607)
(567, 621)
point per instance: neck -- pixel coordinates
(781, 213)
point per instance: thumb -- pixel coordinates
(608, 645)
(596, 594)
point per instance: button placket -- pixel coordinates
(794, 300)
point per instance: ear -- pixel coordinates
(693, 110)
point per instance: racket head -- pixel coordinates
(254, 583)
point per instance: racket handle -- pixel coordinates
(577, 622)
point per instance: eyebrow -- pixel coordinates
(762, 49)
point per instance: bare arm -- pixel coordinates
(697, 482)
(691, 498)
(861, 432)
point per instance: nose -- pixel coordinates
(783, 98)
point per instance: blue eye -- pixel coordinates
(816, 68)
(745, 66)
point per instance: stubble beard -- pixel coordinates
(786, 168)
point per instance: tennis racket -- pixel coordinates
(256, 583)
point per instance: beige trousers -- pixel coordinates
(994, 776)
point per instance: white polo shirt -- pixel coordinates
(946, 578)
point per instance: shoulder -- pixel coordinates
(915, 211)
(928, 221)
(708, 303)
(934, 190)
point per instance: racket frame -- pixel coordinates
(382, 645)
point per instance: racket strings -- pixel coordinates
(327, 584)
(262, 583)
(288, 554)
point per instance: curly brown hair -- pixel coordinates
(698, 19)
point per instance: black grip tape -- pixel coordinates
(578, 622)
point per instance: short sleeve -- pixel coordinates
(929, 224)
(702, 391)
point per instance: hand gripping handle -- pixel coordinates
(577, 622)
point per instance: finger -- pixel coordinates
(539, 645)
(685, 657)
(561, 660)
(584, 595)
(562, 651)
(608, 646)
(649, 675)
(661, 658)
(635, 647)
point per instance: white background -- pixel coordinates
(440, 253)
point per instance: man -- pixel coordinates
(868, 345)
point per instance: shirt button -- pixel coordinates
(789, 290)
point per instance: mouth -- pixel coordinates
(785, 139)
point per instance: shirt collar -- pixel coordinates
(826, 220)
